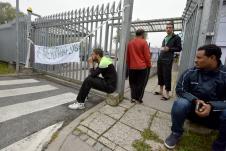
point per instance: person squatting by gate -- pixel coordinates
(106, 84)
(139, 64)
(170, 44)
(201, 93)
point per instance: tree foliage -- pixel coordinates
(7, 12)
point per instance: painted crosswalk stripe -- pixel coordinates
(36, 141)
(19, 81)
(20, 109)
(25, 90)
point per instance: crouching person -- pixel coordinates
(106, 84)
(201, 93)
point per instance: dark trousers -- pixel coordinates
(95, 83)
(164, 71)
(183, 109)
(137, 81)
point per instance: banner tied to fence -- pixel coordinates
(57, 54)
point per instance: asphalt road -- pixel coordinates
(29, 104)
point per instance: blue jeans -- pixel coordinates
(183, 109)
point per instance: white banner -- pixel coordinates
(57, 54)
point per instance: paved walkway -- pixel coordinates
(107, 128)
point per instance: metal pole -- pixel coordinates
(125, 31)
(17, 36)
(27, 65)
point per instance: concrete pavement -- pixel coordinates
(107, 128)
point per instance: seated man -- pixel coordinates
(106, 84)
(201, 93)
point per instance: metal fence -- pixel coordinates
(200, 27)
(93, 26)
(8, 42)
(22, 38)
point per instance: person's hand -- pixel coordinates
(204, 110)
(164, 48)
(90, 60)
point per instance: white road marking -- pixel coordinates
(25, 90)
(19, 81)
(36, 141)
(20, 109)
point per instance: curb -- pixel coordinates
(63, 134)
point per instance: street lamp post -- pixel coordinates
(17, 36)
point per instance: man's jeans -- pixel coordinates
(183, 109)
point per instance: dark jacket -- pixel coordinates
(174, 45)
(107, 70)
(209, 86)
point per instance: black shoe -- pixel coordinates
(172, 140)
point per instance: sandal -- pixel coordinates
(157, 93)
(165, 98)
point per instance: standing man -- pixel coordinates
(170, 44)
(106, 84)
(138, 62)
(201, 93)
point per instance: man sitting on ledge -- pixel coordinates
(106, 84)
(201, 93)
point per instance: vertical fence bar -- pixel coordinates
(83, 44)
(76, 39)
(106, 30)
(58, 39)
(112, 11)
(79, 37)
(91, 30)
(126, 22)
(118, 33)
(70, 29)
(86, 42)
(96, 25)
(101, 22)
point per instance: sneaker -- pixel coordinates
(172, 140)
(133, 101)
(76, 105)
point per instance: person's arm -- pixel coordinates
(183, 85)
(177, 47)
(94, 72)
(218, 105)
(147, 55)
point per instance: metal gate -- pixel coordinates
(93, 26)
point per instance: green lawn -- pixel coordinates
(4, 68)
(190, 141)
(196, 142)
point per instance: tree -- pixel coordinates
(7, 12)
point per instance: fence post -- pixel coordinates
(17, 37)
(126, 22)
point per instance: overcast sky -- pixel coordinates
(143, 9)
